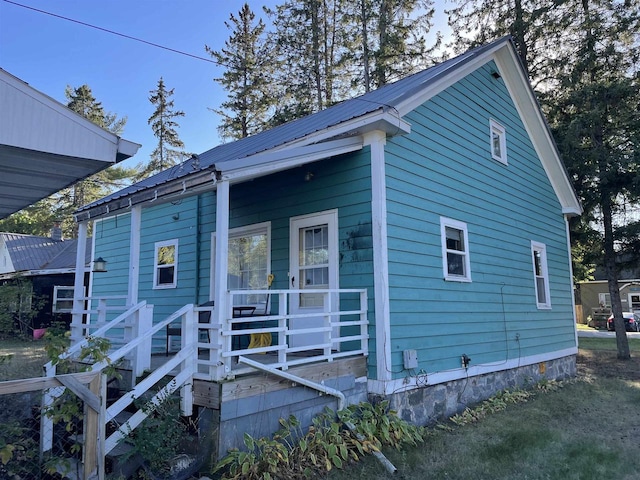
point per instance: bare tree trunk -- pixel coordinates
(622, 342)
(365, 46)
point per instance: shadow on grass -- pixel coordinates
(588, 429)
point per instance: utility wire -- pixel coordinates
(116, 33)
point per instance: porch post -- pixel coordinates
(377, 140)
(221, 269)
(134, 256)
(78, 286)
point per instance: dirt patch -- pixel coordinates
(604, 363)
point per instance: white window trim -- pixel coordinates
(57, 298)
(157, 245)
(256, 228)
(448, 222)
(542, 248)
(502, 134)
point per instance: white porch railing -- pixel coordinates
(136, 324)
(339, 330)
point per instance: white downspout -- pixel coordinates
(78, 285)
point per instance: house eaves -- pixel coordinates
(45, 146)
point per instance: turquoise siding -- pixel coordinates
(444, 168)
(112, 237)
(275, 198)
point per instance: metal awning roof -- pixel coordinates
(45, 147)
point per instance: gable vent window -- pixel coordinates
(455, 250)
(498, 142)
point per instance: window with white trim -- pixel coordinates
(498, 142)
(455, 250)
(165, 268)
(249, 259)
(541, 274)
(62, 299)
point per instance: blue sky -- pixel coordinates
(50, 53)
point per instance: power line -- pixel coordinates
(116, 33)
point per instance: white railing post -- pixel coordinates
(283, 331)
(364, 305)
(227, 340)
(189, 339)
(46, 424)
(141, 356)
(102, 312)
(327, 308)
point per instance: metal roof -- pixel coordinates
(223, 156)
(45, 146)
(30, 252)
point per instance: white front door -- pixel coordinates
(313, 265)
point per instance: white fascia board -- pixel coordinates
(536, 126)
(446, 80)
(275, 161)
(25, 105)
(382, 119)
(419, 382)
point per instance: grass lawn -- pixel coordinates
(588, 429)
(21, 358)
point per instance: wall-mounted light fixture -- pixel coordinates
(308, 176)
(99, 265)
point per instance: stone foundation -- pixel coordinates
(433, 403)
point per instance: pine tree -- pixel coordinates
(82, 101)
(170, 149)
(594, 114)
(582, 55)
(248, 64)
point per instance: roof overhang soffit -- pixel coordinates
(243, 169)
(202, 180)
(271, 162)
(385, 119)
(536, 125)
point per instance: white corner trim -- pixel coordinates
(399, 385)
(377, 141)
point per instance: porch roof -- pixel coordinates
(45, 147)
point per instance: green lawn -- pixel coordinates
(21, 359)
(588, 429)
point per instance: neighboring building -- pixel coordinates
(432, 212)
(595, 300)
(49, 264)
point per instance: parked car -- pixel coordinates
(631, 322)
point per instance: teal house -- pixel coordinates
(411, 244)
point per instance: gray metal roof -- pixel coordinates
(384, 98)
(30, 252)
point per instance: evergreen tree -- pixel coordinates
(583, 57)
(170, 149)
(82, 101)
(247, 77)
(594, 114)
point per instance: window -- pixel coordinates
(248, 263)
(455, 250)
(541, 274)
(604, 300)
(62, 299)
(165, 272)
(498, 142)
